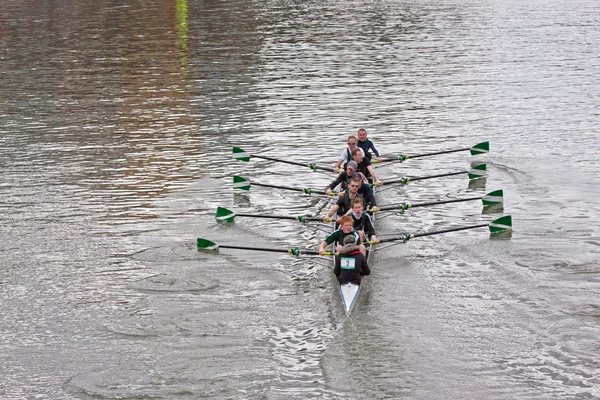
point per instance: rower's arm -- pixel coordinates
(331, 211)
(372, 172)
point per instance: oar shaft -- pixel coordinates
(408, 179)
(311, 166)
(272, 250)
(439, 152)
(303, 218)
(304, 190)
(461, 228)
(406, 206)
(408, 236)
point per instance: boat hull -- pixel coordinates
(349, 292)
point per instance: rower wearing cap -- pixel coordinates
(345, 234)
(364, 166)
(346, 155)
(342, 179)
(351, 264)
(343, 205)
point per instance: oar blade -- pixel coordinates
(501, 224)
(493, 198)
(478, 171)
(240, 154)
(480, 148)
(206, 244)
(241, 183)
(224, 214)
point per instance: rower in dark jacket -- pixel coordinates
(367, 144)
(350, 265)
(342, 206)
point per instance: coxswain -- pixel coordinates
(351, 264)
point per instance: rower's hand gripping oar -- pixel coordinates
(240, 154)
(502, 224)
(477, 172)
(490, 199)
(480, 148)
(224, 214)
(295, 251)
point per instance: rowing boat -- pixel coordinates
(349, 292)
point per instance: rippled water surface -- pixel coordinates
(117, 121)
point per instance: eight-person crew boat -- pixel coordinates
(356, 234)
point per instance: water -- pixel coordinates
(116, 127)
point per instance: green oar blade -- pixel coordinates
(224, 214)
(478, 171)
(480, 148)
(241, 183)
(206, 244)
(240, 154)
(493, 198)
(501, 224)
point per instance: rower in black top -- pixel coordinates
(364, 166)
(367, 145)
(350, 265)
(342, 206)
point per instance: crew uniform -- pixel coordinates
(363, 167)
(351, 267)
(364, 223)
(347, 155)
(366, 146)
(364, 191)
(338, 236)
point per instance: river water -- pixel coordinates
(117, 121)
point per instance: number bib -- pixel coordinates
(348, 262)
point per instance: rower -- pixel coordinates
(367, 144)
(347, 153)
(342, 206)
(364, 166)
(342, 179)
(362, 221)
(339, 236)
(352, 265)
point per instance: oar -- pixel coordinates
(480, 148)
(244, 184)
(240, 154)
(295, 251)
(224, 214)
(490, 199)
(478, 171)
(499, 225)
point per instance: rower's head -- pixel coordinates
(349, 240)
(357, 155)
(355, 182)
(362, 134)
(358, 205)
(351, 167)
(352, 142)
(346, 223)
